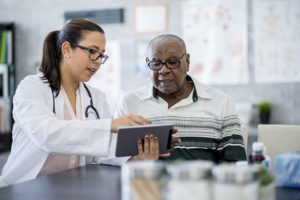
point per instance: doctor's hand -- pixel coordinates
(150, 150)
(128, 120)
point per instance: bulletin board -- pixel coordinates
(216, 36)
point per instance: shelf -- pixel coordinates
(8, 26)
(8, 82)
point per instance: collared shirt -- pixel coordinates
(207, 121)
(60, 162)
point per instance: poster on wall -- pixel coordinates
(107, 78)
(215, 33)
(276, 33)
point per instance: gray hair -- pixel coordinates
(165, 37)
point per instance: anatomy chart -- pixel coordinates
(276, 28)
(215, 32)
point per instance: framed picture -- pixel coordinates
(3, 81)
(151, 18)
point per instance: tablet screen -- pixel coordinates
(128, 137)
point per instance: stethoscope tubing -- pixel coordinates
(91, 106)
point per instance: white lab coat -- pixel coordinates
(38, 132)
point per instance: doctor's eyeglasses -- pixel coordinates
(94, 55)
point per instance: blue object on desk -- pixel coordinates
(287, 170)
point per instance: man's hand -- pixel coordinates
(174, 141)
(150, 150)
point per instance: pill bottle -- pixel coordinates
(259, 156)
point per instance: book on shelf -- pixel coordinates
(2, 121)
(3, 80)
(6, 46)
(5, 115)
(11, 80)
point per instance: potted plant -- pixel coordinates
(264, 112)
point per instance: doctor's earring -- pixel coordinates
(67, 56)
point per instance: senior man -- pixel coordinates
(207, 121)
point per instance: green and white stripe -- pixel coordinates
(199, 134)
(192, 126)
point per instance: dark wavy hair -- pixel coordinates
(52, 55)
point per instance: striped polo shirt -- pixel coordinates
(207, 121)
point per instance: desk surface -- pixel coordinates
(88, 182)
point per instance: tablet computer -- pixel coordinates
(128, 137)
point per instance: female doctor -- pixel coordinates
(56, 114)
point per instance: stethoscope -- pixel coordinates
(91, 106)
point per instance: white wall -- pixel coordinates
(34, 19)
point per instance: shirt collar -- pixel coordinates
(202, 90)
(148, 93)
(199, 91)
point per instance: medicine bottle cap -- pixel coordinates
(258, 146)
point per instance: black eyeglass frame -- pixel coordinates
(91, 51)
(165, 63)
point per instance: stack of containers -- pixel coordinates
(201, 180)
(189, 180)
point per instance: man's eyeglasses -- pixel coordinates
(94, 55)
(171, 64)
